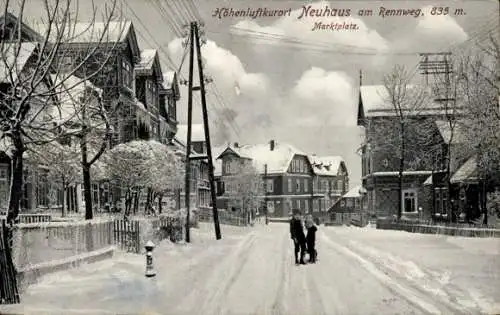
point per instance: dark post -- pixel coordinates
(187, 193)
(265, 194)
(207, 135)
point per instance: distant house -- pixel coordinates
(331, 181)
(351, 202)
(289, 178)
(200, 184)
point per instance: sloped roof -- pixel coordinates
(354, 192)
(326, 165)
(13, 64)
(147, 58)
(374, 102)
(68, 94)
(85, 32)
(466, 173)
(277, 160)
(446, 132)
(149, 62)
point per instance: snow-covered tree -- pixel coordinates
(37, 73)
(244, 189)
(479, 89)
(143, 164)
(62, 164)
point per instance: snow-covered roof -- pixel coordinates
(375, 102)
(354, 192)
(168, 79)
(466, 172)
(277, 160)
(147, 58)
(85, 32)
(326, 165)
(197, 133)
(12, 65)
(69, 89)
(447, 132)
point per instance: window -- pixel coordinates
(306, 206)
(409, 200)
(297, 185)
(339, 186)
(126, 74)
(349, 203)
(290, 188)
(270, 207)
(270, 185)
(306, 185)
(315, 205)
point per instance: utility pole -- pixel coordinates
(187, 187)
(265, 194)
(201, 88)
(438, 67)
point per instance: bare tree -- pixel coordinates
(245, 189)
(61, 55)
(402, 131)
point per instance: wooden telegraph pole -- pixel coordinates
(187, 187)
(194, 42)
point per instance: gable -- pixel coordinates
(299, 164)
(12, 22)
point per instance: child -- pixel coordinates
(311, 239)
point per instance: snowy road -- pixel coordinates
(250, 271)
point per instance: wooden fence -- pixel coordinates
(127, 235)
(31, 218)
(429, 227)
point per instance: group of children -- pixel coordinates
(303, 242)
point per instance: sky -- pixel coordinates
(276, 78)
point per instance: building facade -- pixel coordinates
(288, 176)
(438, 178)
(140, 97)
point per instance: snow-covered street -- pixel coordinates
(251, 271)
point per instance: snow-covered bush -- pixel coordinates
(138, 165)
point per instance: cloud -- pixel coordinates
(232, 90)
(326, 98)
(436, 31)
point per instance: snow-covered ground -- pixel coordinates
(251, 271)
(458, 270)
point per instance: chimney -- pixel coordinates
(236, 145)
(272, 144)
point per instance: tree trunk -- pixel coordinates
(160, 205)
(63, 206)
(401, 169)
(87, 194)
(16, 180)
